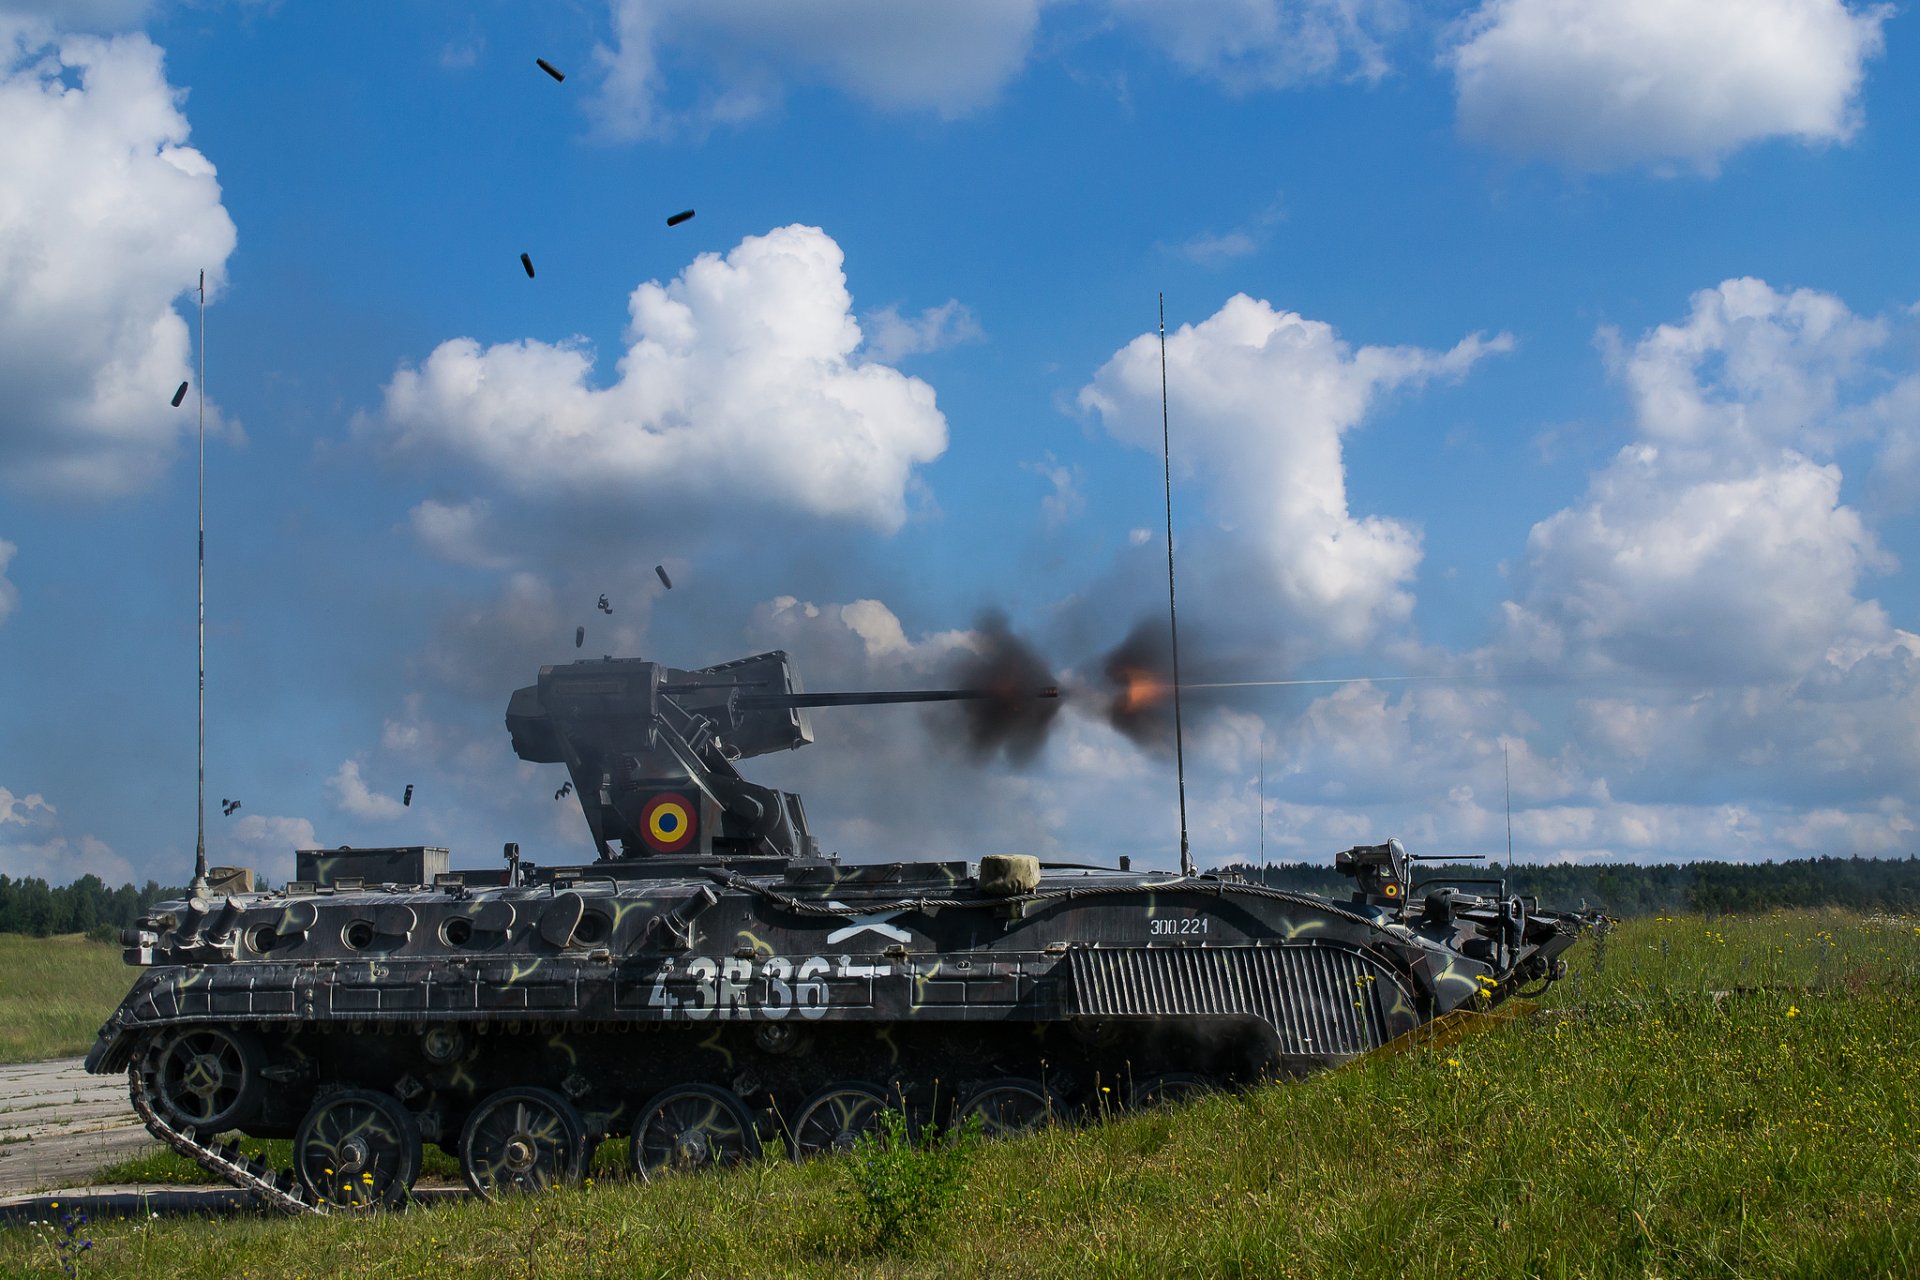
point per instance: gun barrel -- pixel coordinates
(781, 701)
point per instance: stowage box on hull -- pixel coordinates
(400, 865)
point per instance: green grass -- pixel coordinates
(160, 1167)
(55, 993)
(1636, 1124)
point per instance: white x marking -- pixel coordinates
(875, 923)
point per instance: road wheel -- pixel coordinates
(833, 1119)
(691, 1127)
(522, 1140)
(1008, 1107)
(1173, 1087)
(358, 1150)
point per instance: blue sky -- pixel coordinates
(1559, 352)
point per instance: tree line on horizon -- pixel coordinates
(30, 905)
(1643, 889)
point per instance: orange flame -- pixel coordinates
(1140, 689)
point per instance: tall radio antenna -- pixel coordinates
(200, 795)
(1173, 621)
(1263, 800)
(1507, 771)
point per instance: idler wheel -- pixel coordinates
(1169, 1089)
(1009, 1106)
(833, 1119)
(691, 1127)
(203, 1078)
(358, 1150)
(522, 1140)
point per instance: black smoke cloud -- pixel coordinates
(1139, 671)
(1135, 694)
(1013, 720)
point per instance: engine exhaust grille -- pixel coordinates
(1319, 999)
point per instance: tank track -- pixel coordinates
(280, 1191)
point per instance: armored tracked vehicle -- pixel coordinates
(711, 983)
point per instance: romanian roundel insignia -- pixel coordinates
(667, 823)
(1391, 889)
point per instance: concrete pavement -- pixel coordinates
(58, 1124)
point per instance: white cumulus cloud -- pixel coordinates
(351, 793)
(1265, 44)
(23, 810)
(1605, 84)
(1778, 361)
(38, 847)
(1261, 399)
(457, 532)
(740, 376)
(62, 861)
(1218, 249)
(1882, 830)
(1739, 577)
(1712, 593)
(1716, 546)
(945, 58)
(677, 66)
(106, 217)
(264, 842)
(891, 335)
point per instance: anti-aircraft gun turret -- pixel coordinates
(652, 750)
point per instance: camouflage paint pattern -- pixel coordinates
(746, 988)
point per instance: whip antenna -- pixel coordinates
(1263, 804)
(1507, 770)
(1173, 622)
(200, 795)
